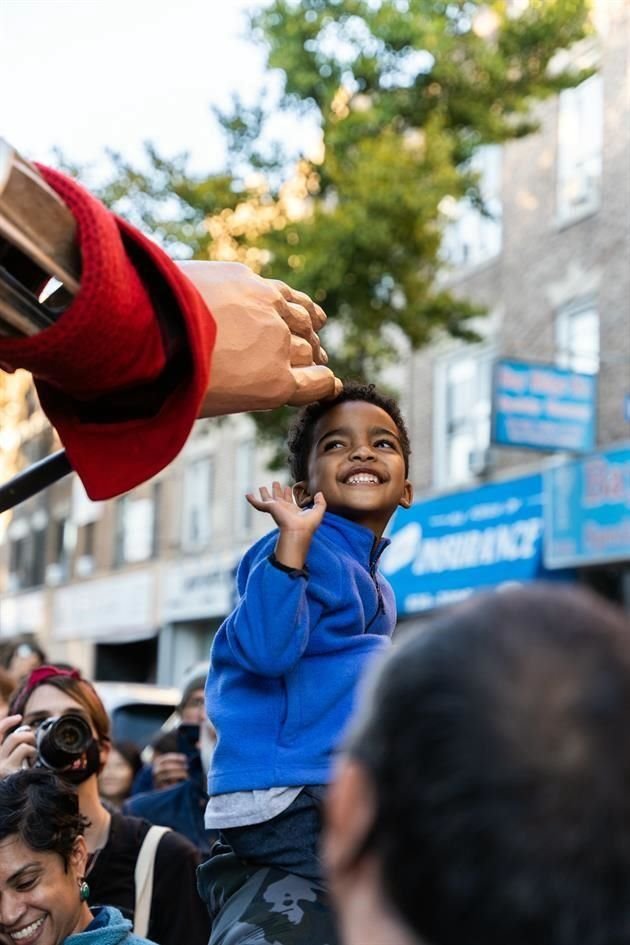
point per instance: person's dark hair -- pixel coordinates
(131, 753)
(194, 682)
(42, 810)
(7, 686)
(497, 743)
(300, 438)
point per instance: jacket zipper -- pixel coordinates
(375, 554)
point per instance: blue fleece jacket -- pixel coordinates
(286, 662)
(107, 928)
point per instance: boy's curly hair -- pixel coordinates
(300, 438)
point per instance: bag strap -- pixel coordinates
(143, 878)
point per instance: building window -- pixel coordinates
(63, 536)
(38, 559)
(27, 558)
(580, 140)
(472, 237)
(245, 472)
(196, 504)
(577, 337)
(157, 518)
(88, 539)
(84, 563)
(134, 530)
(84, 510)
(18, 562)
(463, 402)
(119, 530)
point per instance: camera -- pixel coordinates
(61, 741)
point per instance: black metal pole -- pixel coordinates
(32, 480)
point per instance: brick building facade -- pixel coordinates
(552, 269)
(132, 589)
(551, 262)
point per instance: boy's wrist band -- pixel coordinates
(292, 572)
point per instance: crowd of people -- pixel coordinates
(480, 797)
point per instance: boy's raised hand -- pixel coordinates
(297, 526)
(280, 504)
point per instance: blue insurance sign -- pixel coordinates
(447, 548)
(541, 406)
(587, 510)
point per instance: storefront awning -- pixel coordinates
(117, 609)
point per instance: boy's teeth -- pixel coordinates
(362, 477)
(27, 931)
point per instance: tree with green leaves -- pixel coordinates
(405, 92)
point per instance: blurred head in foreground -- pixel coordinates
(485, 794)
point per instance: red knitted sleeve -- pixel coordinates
(123, 371)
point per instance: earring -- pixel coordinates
(84, 891)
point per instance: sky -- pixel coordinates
(83, 75)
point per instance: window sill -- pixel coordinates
(567, 219)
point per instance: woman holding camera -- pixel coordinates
(115, 843)
(43, 857)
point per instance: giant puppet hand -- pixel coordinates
(267, 352)
(125, 368)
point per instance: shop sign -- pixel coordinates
(541, 406)
(447, 548)
(587, 505)
(23, 613)
(194, 590)
(107, 610)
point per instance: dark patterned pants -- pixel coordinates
(252, 905)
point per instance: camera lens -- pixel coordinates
(68, 735)
(60, 741)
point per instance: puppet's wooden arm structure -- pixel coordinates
(37, 243)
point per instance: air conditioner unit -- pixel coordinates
(480, 461)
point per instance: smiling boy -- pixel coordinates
(313, 612)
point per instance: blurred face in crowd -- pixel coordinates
(39, 894)
(193, 711)
(24, 660)
(114, 781)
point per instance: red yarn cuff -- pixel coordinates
(111, 339)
